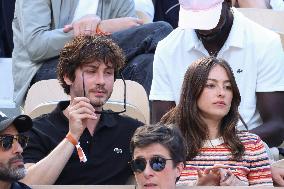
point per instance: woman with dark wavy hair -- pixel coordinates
(207, 115)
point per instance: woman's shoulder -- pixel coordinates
(247, 137)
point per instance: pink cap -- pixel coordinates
(199, 14)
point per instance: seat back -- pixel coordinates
(44, 95)
(44, 92)
(266, 17)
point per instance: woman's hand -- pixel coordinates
(208, 178)
(227, 177)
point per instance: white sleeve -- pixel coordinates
(270, 76)
(277, 4)
(161, 86)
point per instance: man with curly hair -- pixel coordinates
(42, 27)
(79, 142)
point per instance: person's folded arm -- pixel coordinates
(270, 92)
(271, 109)
(35, 20)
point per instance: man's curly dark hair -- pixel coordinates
(86, 49)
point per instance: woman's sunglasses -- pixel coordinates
(157, 163)
(7, 141)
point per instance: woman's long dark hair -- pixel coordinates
(186, 114)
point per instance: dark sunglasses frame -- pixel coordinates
(124, 96)
(157, 163)
(7, 141)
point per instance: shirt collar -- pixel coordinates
(236, 37)
(108, 120)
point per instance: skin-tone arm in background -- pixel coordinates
(271, 109)
(88, 24)
(159, 108)
(263, 4)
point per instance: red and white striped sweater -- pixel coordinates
(253, 169)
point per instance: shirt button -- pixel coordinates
(87, 142)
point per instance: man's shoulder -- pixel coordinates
(43, 119)
(56, 116)
(49, 122)
(248, 138)
(126, 120)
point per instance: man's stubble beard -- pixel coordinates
(11, 174)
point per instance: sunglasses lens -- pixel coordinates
(157, 163)
(23, 140)
(138, 165)
(7, 142)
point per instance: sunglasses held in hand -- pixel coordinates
(157, 163)
(7, 141)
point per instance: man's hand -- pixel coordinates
(79, 111)
(119, 24)
(86, 25)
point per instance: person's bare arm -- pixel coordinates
(271, 109)
(159, 108)
(47, 170)
(88, 24)
(262, 4)
(119, 24)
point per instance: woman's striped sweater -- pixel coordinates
(253, 169)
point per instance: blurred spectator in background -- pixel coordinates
(145, 7)
(223, 32)
(167, 10)
(251, 3)
(12, 143)
(6, 34)
(42, 27)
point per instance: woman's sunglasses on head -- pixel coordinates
(6, 141)
(157, 163)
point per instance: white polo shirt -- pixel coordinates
(254, 53)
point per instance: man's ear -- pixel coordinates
(67, 80)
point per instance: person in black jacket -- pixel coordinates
(167, 10)
(6, 34)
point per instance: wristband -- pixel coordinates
(100, 32)
(80, 151)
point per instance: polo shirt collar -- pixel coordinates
(107, 120)
(191, 39)
(235, 39)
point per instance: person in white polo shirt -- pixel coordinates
(213, 27)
